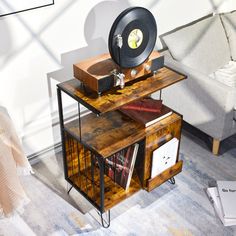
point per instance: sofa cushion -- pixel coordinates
(229, 22)
(202, 46)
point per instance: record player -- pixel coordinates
(131, 42)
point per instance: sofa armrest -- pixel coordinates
(224, 95)
(205, 103)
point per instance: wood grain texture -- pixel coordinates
(87, 179)
(114, 193)
(94, 69)
(113, 131)
(156, 139)
(116, 97)
(78, 158)
(164, 176)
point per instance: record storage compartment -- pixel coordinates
(85, 166)
(85, 172)
(87, 141)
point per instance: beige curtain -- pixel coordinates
(13, 163)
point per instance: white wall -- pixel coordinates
(38, 48)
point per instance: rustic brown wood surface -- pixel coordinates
(93, 69)
(116, 97)
(164, 176)
(155, 140)
(78, 158)
(79, 170)
(113, 131)
(113, 193)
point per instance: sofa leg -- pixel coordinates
(215, 146)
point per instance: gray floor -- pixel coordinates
(180, 209)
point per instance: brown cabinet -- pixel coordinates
(88, 141)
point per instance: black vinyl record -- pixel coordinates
(137, 30)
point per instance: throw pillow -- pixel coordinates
(229, 22)
(202, 46)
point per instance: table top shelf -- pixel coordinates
(112, 131)
(116, 97)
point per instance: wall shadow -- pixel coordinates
(96, 31)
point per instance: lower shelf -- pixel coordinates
(164, 176)
(113, 193)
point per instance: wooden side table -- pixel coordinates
(87, 141)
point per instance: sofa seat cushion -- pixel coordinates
(227, 75)
(229, 22)
(202, 46)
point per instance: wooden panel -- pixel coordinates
(78, 158)
(116, 97)
(114, 193)
(164, 176)
(93, 69)
(113, 131)
(155, 140)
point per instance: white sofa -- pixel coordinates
(200, 50)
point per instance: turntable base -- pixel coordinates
(96, 72)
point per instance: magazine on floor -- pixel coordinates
(214, 198)
(227, 193)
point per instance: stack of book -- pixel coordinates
(147, 111)
(223, 198)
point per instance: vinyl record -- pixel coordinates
(132, 37)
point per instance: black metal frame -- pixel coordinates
(96, 161)
(171, 180)
(74, 144)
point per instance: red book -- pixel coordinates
(145, 104)
(147, 118)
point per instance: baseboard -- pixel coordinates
(43, 135)
(38, 156)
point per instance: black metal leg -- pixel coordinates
(171, 180)
(61, 118)
(69, 190)
(101, 170)
(79, 115)
(105, 222)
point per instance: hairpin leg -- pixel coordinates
(171, 180)
(105, 222)
(69, 190)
